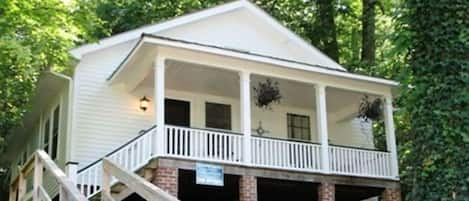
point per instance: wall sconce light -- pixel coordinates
(144, 103)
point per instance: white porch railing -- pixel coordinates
(285, 154)
(225, 147)
(132, 155)
(203, 144)
(359, 162)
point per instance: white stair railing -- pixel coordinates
(203, 144)
(39, 162)
(278, 153)
(132, 155)
(359, 162)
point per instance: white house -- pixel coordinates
(180, 94)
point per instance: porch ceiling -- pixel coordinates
(182, 76)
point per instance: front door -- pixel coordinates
(177, 112)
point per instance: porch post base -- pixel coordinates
(391, 194)
(326, 192)
(247, 188)
(167, 179)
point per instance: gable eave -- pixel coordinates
(176, 43)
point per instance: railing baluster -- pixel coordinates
(95, 180)
(210, 145)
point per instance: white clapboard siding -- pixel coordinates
(104, 117)
(244, 30)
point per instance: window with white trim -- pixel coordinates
(298, 127)
(50, 135)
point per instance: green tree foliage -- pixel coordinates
(35, 35)
(424, 44)
(326, 28)
(436, 158)
(123, 15)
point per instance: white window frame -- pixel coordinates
(49, 115)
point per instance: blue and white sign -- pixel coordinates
(206, 174)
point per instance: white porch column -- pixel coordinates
(245, 114)
(390, 135)
(159, 104)
(321, 118)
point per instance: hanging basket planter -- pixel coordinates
(267, 93)
(370, 109)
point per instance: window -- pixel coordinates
(55, 132)
(50, 133)
(298, 127)
(45, 138)
(218, 116)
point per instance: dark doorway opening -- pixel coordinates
(188, 190)
(177, 112)
(281, 190)
(355, 193)
(134, 197)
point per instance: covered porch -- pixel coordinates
(206, 98)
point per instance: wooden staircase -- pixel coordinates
(120, 191)
(125, 184)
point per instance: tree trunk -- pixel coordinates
(368, 32)
(326, 24)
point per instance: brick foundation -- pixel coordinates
(167, 179)
(391, 194)
(326, 192)
(248, 188)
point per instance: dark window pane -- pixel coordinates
(55, 127)
(218, 116)
(298, 127)
(55, 132)
(46, 136)
(54, 146)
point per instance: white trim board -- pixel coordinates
(246, 56)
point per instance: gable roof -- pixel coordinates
(211, 49)
(135, 34)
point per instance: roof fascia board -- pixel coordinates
(255, 58)
(78, 52)
(126, 60)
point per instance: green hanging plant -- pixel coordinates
(267, 93)
(370, 109)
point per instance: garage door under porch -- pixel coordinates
(177, 177)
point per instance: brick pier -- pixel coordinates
(247, 188)
(326, 192)
(167, 179)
